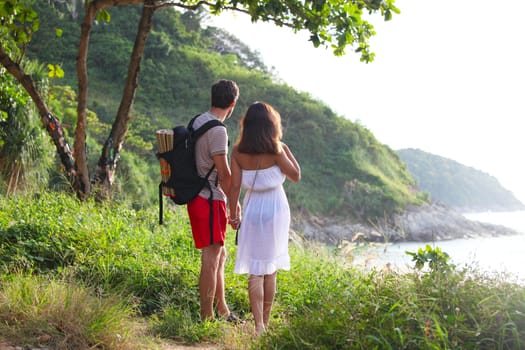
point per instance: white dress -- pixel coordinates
(263, 236)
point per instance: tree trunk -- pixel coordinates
(107, 164)
(82, 76)
(52, 124)
(13, 180)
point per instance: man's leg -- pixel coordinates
(220, 298)
(208, 279)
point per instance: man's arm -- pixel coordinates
(223, 171)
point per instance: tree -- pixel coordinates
(330, 23)
(23, 151)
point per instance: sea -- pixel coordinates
(503, 255)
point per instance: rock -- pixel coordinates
(431, 222)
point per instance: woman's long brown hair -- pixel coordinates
(260, 130)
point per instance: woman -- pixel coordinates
(260, 162)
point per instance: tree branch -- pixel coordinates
(169, 3)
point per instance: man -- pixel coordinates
(212, 149)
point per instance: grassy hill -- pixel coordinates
(346, 170)
(457, 185)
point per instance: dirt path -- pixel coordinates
(166, 345)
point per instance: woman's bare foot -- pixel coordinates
(259, 330)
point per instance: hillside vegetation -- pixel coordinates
(346, 170)
(456, 185)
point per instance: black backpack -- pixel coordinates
(184, 182)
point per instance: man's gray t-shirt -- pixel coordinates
(213, 142)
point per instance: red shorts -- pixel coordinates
(199, 213)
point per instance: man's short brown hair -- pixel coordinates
(224, 93)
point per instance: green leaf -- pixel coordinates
(59, 71)
(51, 72)
(103, 15)
(36, 25)
(58, 32)
(55, 71)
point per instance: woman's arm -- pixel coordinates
(288, 164)
(235, 190)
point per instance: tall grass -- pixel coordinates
(62, 315)
(435, 309)
(119, 260)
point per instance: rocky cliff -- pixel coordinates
(431, 222)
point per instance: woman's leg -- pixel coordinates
(256, 295)
(270, 285)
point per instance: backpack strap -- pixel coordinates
(196, 133)
(160, 204)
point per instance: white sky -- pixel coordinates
(448, 78)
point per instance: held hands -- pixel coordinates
(235, 222)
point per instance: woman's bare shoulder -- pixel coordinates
(255, 161)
